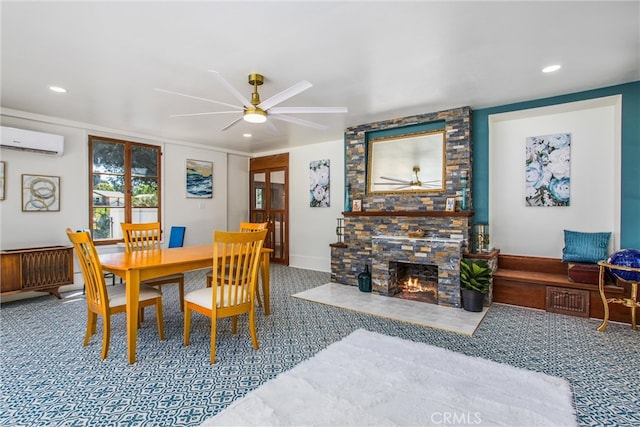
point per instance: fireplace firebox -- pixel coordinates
(416, 282)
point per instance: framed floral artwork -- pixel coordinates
(319, 184)
(548, 167)
(40, 193)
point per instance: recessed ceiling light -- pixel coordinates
(57, 89)
(551, 68)
(247, 135)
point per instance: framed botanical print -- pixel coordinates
(319, 184)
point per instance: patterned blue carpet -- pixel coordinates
(48, 378)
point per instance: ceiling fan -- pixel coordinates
(415, 183)
(257, 111)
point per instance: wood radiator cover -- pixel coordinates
(37, 269)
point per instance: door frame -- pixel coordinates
(266, 165)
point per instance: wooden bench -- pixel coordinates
(544, 283)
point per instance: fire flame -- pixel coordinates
(412, 285)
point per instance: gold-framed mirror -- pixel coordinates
(408, 163)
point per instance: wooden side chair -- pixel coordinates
(146, 236)
(103, 301)
(245, 227)
(236, 258)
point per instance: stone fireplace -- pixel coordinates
(377, 235)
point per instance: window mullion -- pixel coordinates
(128, 209)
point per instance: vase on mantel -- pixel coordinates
(464, 182)
(347, 198)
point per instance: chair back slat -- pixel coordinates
(236, 257)
(138, 237)
(92, 273)
(253, 226)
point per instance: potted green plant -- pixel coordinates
(475, 281)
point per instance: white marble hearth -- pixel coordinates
(430, 315)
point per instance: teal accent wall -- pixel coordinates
(630, 197)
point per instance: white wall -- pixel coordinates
(311, 230)
(238, 191)
(594, 126)
(28, 229)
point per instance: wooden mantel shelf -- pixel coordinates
(409, 213)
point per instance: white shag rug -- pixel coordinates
(369, 379)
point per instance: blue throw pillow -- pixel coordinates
(585, 247)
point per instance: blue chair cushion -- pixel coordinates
(585, 247)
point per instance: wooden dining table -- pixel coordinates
(138, 266)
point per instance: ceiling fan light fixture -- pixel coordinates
(254, 115)
(256, 111)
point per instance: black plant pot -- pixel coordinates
(472, 300)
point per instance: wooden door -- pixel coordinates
(269, 186)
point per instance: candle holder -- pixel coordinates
(480, 238)
(340, 230)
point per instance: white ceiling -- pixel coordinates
(382, 60)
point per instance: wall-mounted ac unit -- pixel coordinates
(28, 140)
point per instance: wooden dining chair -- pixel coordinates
(236, 258)
(147, 236)
(244, 227)
(105, 301)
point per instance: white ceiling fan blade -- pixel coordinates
(285, 94)
(199, 98)
(392, 183)
(297, 121)
(231, 124)
(401, 181)
(203, 114)
(231, 89)
(308, 110)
